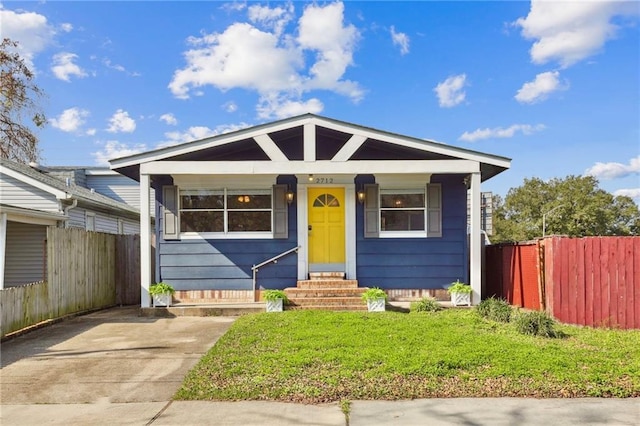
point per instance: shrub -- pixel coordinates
(160, 288)
(272, 295)
(426, 304)
(374, 293)
(536, 323)
(495, 309)
(459, 287)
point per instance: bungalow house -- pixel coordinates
(33, 198)
(265, 206)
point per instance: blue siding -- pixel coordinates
(226, 264)
(391, 263)
(417, 263)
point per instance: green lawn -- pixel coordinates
(312, 356)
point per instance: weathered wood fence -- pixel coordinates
(85, 271)
(592, 281)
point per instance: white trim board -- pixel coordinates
(308, 167)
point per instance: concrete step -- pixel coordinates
(326, 301)
(294, 292)
(326, 275)
(319, 284)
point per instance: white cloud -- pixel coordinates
(539, 89)
(570, 31)
(280, 107)
(631, 192)
(500, 132)
(115, 149)
(450, 92)
(199, 132)
(169, 118)
(63, 66)
(121, 122)
(321, 29)
(401, 40)
(66, 27)
(31, 30)
(70, 120)
(230, 106)
(271, 18)
(241, 57)
(107, 62)
(91, 132)
(614, 170)
(270, 62)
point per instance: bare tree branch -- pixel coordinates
(19, 112)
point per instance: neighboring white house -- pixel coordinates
(31, 199)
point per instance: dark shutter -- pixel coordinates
(170, 216)
(434, 210)
(280, 212)
(371, 211)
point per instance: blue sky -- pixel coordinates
(553, 85)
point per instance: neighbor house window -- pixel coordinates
(402, 210)
(225, 211)
(90, 222)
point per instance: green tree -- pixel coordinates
(573, 206)
(18, 94)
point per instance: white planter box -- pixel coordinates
(376, 305)
(163, 299)
(274, 305)
(461, 299)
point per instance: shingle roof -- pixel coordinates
(81, 193)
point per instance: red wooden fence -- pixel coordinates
(512, 273)
(592, 281)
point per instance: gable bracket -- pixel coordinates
(349, 148)
(270, 148)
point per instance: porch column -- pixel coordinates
(145, 241)
(475, 238)
(3, 245)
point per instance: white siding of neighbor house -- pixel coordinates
(17, 193)
(131, 227)
(118, 187)
(76, 218)
(25, 253)
(103, 222)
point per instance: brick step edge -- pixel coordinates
(319, 284)
(320, 301)
(324, 292)
(326, 308)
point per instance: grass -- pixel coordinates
(313, 357)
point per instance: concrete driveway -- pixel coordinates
(104, 358)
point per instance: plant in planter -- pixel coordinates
(275, 300)
(460, 293)
(161, 293)
(375, 298)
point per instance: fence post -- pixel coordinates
(541, 276)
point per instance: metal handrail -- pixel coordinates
(274, 259)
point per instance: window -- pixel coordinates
(402, 210)
(225, 211)
(90, 222)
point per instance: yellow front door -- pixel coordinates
(326, 227)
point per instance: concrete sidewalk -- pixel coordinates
(114, 367)
(433, 412)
